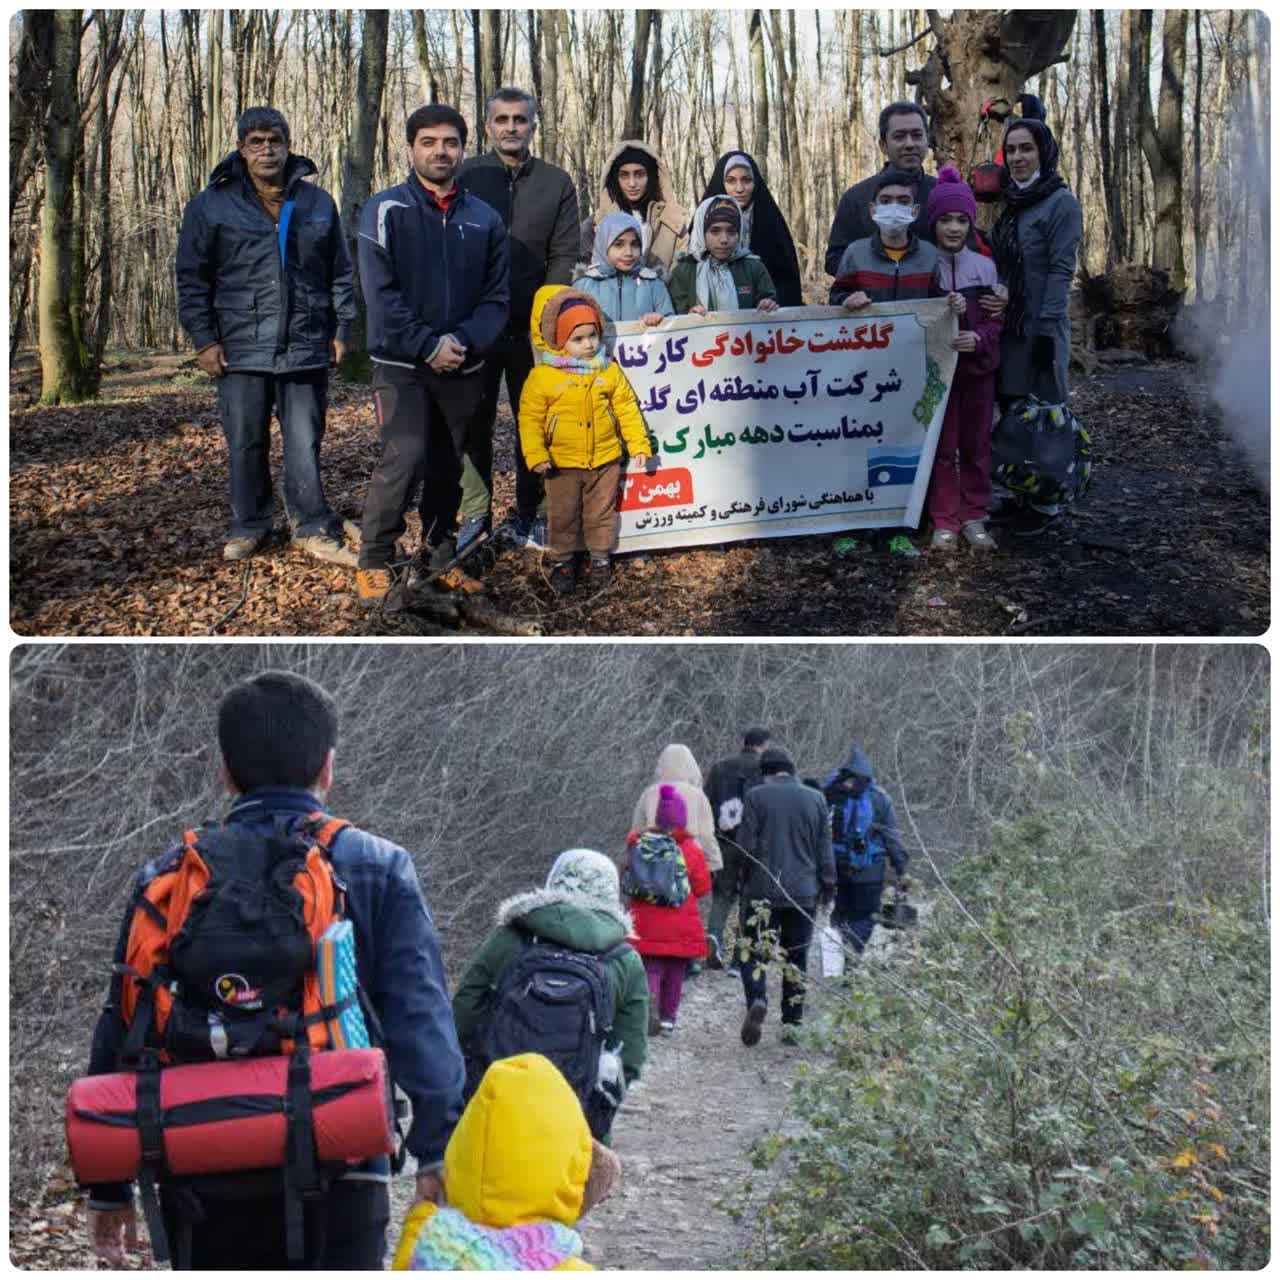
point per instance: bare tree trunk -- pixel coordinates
(428, 89)
(1197, 168)
(27, 101)
(477, 63)
(493, 50)
(656, 97)
(213, 89)
(63, 358)
(535, 63)
(633, 127)
(759, 91)
(984, 53)
(1259, 64)
(1162, 140)
(552, 141)
(357, 171)
(1116, 237)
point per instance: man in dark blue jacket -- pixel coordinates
(434, 270)
(276, 733)
(264, 292)
(864, 832)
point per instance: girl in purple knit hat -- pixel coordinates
(667, 938)
(960, 487)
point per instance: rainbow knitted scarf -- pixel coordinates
(601, 360)
(449, 1241)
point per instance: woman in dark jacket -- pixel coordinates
(1035, 239)
(764, 229)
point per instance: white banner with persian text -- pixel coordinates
(807, 420)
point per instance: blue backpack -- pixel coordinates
(851, 839)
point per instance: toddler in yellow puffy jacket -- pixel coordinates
(577, 411)
(519, 1171)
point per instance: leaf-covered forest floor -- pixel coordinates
(117, 516)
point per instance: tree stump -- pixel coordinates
(1132, 307)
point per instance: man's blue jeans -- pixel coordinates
(245, 401)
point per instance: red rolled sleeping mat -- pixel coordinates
(221, 1117)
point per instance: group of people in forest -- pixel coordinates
(549, 1023)
(478, 271)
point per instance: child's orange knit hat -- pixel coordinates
(570, 318)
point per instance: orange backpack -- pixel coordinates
(220, 956)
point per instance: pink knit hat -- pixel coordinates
(951, 194)
(672, 810)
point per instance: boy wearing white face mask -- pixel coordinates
(894, 264)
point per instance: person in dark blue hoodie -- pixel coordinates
(276, 736)
(864, 832)
(434, 268)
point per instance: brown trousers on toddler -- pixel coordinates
(582, 507)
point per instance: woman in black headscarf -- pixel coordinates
(1035, 240)
(764, 229)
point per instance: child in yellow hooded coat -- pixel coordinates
(576, 412)
(519, 1171)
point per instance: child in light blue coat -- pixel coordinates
(618, 279)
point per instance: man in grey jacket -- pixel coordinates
(785, 836)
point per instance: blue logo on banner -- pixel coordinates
(887, 467)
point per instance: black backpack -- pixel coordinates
(559, 1003)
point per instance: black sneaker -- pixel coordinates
(753, 1023)
(715, 957)
(598, 574)
(1029, 523)
(562, 578)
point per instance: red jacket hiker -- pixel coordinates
(674, 931)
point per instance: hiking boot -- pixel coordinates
(944, 540)
(790, 1034)
(563, 581)
(372, 586)
(598, 574)
(455, 580)
(1030, 523)
(753, 1022)
(694, 968)
(976, 535)
(469, 531)
(328, 547)
(715, 957)
(242, 548)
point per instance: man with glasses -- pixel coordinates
(539, 207)
(265, 294)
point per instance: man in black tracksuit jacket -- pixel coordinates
(434, 270)
(265, 294)
(904, 139)
(539, 207)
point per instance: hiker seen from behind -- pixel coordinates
(664, 874)
(218, 971)
(558, 977)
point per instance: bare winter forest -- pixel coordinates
(1091, 824)
(117, 118)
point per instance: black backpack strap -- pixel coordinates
(151, 1136)
(302, 1178)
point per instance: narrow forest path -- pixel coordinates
(686, 1130)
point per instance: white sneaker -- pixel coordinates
(978, 536)
(667, 1025)
(943, 540)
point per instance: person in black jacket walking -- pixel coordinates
(785, 836)
(539, 207)
(434, 268)
(726, 789)
(265, 294)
